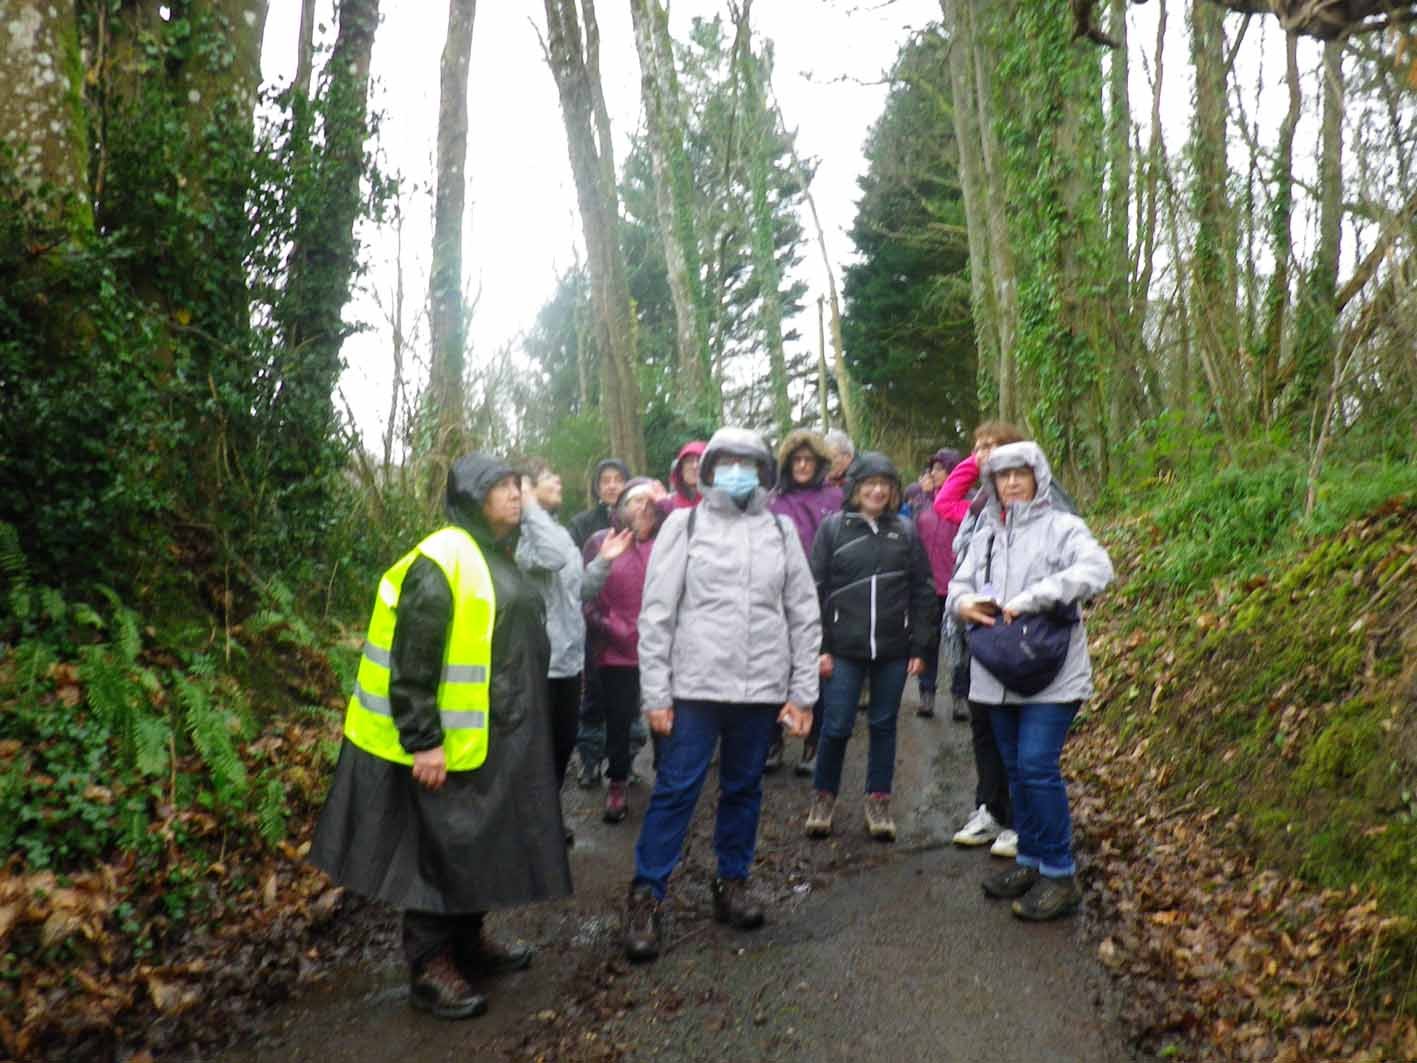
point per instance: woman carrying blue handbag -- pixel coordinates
(1019, 591)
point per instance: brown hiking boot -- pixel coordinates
(1050, 898)
(643, 925)
(441, 989)
(819, 819)
(734, 905)
(1014, 882)
(878, 817)
(490, 957)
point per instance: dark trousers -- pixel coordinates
(929, 678)
(425, 934)
(992, 788)
(839, 697)
(590, 737)
(742, 734)
(620, 700)
(565, 719)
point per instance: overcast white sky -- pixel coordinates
(522, 224)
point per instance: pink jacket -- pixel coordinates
(612, 617)
(952, 499)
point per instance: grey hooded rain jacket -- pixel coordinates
(1042, 557)
(731, 616)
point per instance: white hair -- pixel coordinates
(840, 442)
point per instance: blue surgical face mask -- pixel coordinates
(738, 480)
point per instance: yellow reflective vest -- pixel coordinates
(467, 657)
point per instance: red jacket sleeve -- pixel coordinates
(952, 499)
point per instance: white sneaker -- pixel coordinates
(981, 829)
(1006, 844)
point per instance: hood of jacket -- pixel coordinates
(946, 456)
(619, 518)
(866, 464)
(1027, 454)
(469, 480)
(676, 482)
(741, 443)
(600, 467)
(795, 441)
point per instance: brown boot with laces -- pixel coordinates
(440, 989)
(643, 925)
(735, 905)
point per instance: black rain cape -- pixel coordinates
(490, 838)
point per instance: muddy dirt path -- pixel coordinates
(869, 947)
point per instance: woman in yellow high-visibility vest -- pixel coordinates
(444, 802)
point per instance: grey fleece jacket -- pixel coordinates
(1042, 557)
(549, 557)
(731, 616)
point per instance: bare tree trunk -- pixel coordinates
(1121, 378)
(575, 64)
(973, 192)
(1001, 256)
(675, 201)
(1281, 235)
(1317, 314)
(822, 391)
(43, 74)
(305, 49)
(760, 127)
(445, 302)
(1213, 258)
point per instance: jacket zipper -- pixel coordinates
(873, 618)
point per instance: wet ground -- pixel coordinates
(870, 950)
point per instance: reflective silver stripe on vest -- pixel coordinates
(464, 673)
(378, 655)
(452, 720)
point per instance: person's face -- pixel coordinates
(689, 471)
(639, 515)
(1015, 485)
(804, 466)
(841, 461)
(612, 482)
(503, 505)
(983, 449)
(548, 491)
(938, 475)
(873, 495)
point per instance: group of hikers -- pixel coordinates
(747, 602)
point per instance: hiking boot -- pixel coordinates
(1014, 882)
(643, 925)
(615, 803)
(570, 837)
(489, 957)
(980, 829)
(878, 817)
(440, 989)
(927, 705)
(807, 766)
(774, 758)
(734, 904)
(1050, 898)
(819, 819)
(959, 710)
(1005, 845)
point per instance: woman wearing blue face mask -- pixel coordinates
(729, 633)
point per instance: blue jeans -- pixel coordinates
(745, 733)
(1030, 739)
(839, 696)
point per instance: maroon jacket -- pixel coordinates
(613, 615)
